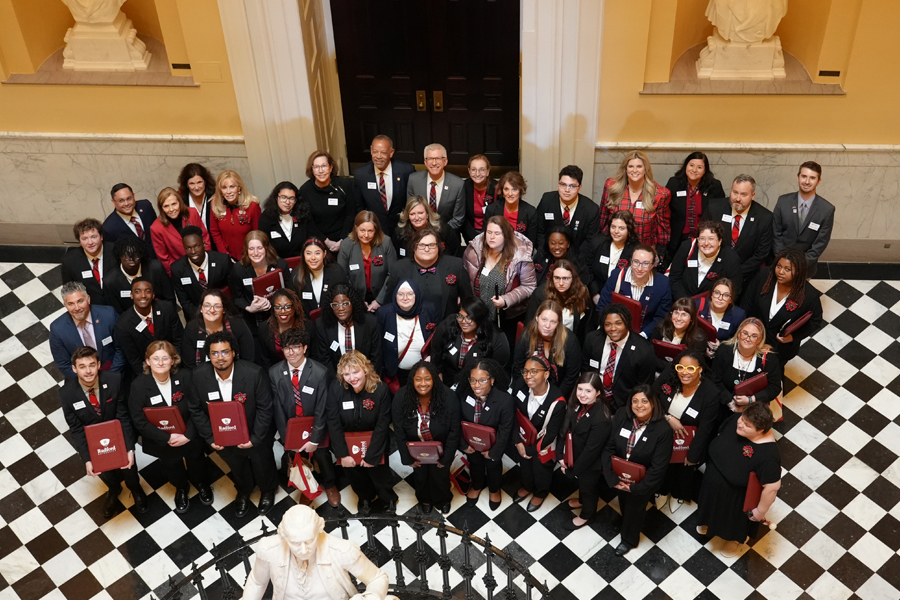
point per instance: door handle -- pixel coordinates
(421, 100)
(439, 102)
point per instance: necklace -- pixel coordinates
(743, 368)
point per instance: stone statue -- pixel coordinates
(743, 44)
(747, 21)
(304, 562)
(103, 38)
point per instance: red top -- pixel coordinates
(652, 227)
(367, 265)
(229, 231)
(479, 208)
(512, 217)
(167, 239)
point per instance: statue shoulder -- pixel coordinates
(270, 547)
(341, 550)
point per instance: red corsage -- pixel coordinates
(368, 404)
(243, 217)
(712, 276)
(377, 261)
(294, 219)
(520, 227)
(748, 451)
(177, 396)
(666, 389)
(538, 267)
(451, 279)
(430, 327)
(241, 397)
(622, 263)
(790, 305)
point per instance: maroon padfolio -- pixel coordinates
(166, 418)
(754, 493)
(299, 430)
(106, 444)
(751, 386)
(427, 453)
(711, 332)
(229, 423)
(527, 431)
(634, 307)
(667, 351)
(479, 437)
(569, 456)
(681, 446)
(266, 285)
(795, 325)
(358, 445)
(627, 471)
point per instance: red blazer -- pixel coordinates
(229, 231)
(167, 239)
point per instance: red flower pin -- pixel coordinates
(666, 389)
(538, 267)
(377, 260)
(451, 279)
(241, 397)
(430, 327)
(712, 276)
(177, 396)
(790, 305)
(520, 227)
(368, 404)
(622, 263)
(748, 451)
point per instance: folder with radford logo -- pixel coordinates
(229, 423)
(682, 445)
(427, 453)
(527, 431)
(358, 445)
(165, 418)
(106, 444)
(266, 285)
(299, 432)
(627, 471)
(479, 437)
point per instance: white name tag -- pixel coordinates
(348, 405)
(201, 343)
(107, 340)
(625, 432)
(594, 364)
(726, 218)
(307, 390)
(248, 281)
(692, 263)
(402, 251)
(212, 264)
(548, 216)
(389, 336)
(141, 326)
(724, 325)
(521, 395)
(275, 234)
(372, 185)
(354, 267)
(307, 295)
(691, 412)
(470, 400)
(78, 405)
(332, 202)
(604, 260)
(176, 382)
(485, 271)
(124, 293)
(639, 205)
(487, 408)
(335, 346)
(453, 351)
(104, 386)
(87, 274)
(681, 193)
(213, 395)
(156, 400)
(185, 281)
(814, 226)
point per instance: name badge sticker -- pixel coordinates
(470, 400)
(307, 296)
(372, 185)
(548, 216)
(814, 226)
(521, 395)
(389, 336)
(141, 326)
(274, 235)
(727, 218)
(78, 405)
(107, 340)
(156, 399)
(201, 343)
(348, 405)
(248, 281)
(639, 205)
(332, 202)
(625, 432)
(213, 395)
(354, 267)
(692, 263)
(185, 281)
(307, 390)
(724, 325)
(124, 293)
(335, 346)
(681, 193)
(594, 364)
(604, 260)
(402, 251)
(87, 274)
(453, 351)
(691, 412)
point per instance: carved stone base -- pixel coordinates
(722, 59)
(105, 47)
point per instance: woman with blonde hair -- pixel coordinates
(165, 231)
(743, 357)
(235, 212)
(546, 336)
(415, 216)
(632, 188)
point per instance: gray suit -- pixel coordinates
(350, 257)
(451, 206)
(810, 237)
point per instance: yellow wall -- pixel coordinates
(691, 27)
(143, 17)
(802, 31)
(865, 115)
(43, 26)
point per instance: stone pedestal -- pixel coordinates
(110, 45)
(722, 59)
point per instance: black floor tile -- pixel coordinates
(885, 294)
(856, 354)
(656, 565)
(9, 304)
(876, 456)
(837, 491)
(844, 530)
(560, 562)
(27, 468)
(796, 529)
(815, 353)
(33, 586)
(15, 505)
(9, 541)
(802, 570)
(825, 419)
(139, 548)
(704, 566)
(514, 520)
(793, 491)
(850, 323)
(753, 568)
(607, 564)
(46, 546)
(81, 587)
(889, 323)
(34, 335)
(93, 547)
(46, 305)
(888, 531)
(830, 454)
(862, 386)
(869, 420)
(17, 276)
(819, 385)
(850, 571)
(844, 293)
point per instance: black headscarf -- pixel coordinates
(417, 307)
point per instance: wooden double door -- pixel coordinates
(425, 71)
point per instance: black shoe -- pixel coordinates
(517, 498)
(445, 509)
(426, 508)
(140, 502)
(206, 494)
(532, 507)
(570, 525)
(181, 501)
(364, 509)
(266, 501)
(494, 505)
(622, 549)
(109, 502)
(241, 505)
(390, 508)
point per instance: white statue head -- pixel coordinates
(300, 529)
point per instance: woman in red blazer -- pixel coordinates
(165, 232)
(235, 213)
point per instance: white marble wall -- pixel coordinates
(61, 178)
(863, 182)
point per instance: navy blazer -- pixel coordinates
(731, 320)
(64, 339)
(78, 411)
(114, 226)
(387, 319)
(367, 196)
(656, 299)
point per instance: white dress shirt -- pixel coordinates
(225, 385)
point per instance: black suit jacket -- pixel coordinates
(589, 436)
(443, 289)
(77, 267)
(114, 226)
(637, 363)
(520, 397)
(653, 450)
(187, 286)
(78, 411)
(445, 350)
(683, 275)
(678, 207)
(584, 223)
(444, 426)
(723, 374)
(702, 411)
(117, 289)
(754, 245)
(527, 222)
(582, 323)
(347, 412)
(134, 336)
(499, 412)
(367, 335)
(267, 354)
(490, 197)
(331, 275)
(249, 379)
(567, 374)
(368, 197)
(240, 282)
(194, 342)
(595, 259)
(314, 382)
(286, 248)
(144, 390)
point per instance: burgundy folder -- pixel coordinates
(229, 423)
(106, 444)
(358, 444)
(569, 457)
(751, 386)
(791, 327)
(527, 431)
(479, 437)
(667, 351)
(427, 453)
(266, 285)
(711, 332)
(682, 445)
(754, 493)
(299, 430)
(634, 307)
(628, 471)
(165, 418)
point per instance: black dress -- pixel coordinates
(728, 469)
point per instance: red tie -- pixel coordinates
(150, 325)
(382, 190)
(348, 338)
(296, 381)
(432, 197)
(94, 401)
(735, 229)
(137, 226)
(201, 277)
(95, 267)
(566, 215)
(609, 371)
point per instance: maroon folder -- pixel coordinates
(358, 444)
(106, 444)
(634, 307)
(754, 493)
(569, 456)
(299, 430)
(527, 431)
(711, 332)
(667, 351)
(426, 347)
(165, 418)
(479, 437)
(628, 471)
(791, 327)
(427, 453)
(229, 423)
(751, 386)
(682, 445)
(266, 285)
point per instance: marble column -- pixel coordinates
(102, 39)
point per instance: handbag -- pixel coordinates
(547, 454)
(301, 477)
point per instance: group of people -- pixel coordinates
(417, 310)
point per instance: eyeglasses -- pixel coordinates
(464, 318)
(644, 264)
(479, 381)
(321, 167)
(287, 198)
(532, 372)
(481, 171)
(220, 353)
(435, 159)
(722, 295)
(408, 295)
(426, 246)
(293, 349)
(749, 336)
(212, 307)
(561, 278)
(569, 186)
(161, 361)
(283, 307)
(340, 304)
(687, 369)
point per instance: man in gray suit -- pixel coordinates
(444, 193)
(804, 220)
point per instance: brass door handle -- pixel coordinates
(421, 100)
(439, 102)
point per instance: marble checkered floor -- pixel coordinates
(838, 532)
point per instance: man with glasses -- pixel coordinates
(380, 184)
(149, 320)
(197, 270)
(228, 378)
(566, 206)
(444, 193)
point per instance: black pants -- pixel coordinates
(432, 484)
(196, 472)
(113, 479)
(251, 467)
(509, 326)
(590, 484)
(634, 509)
(536, 476)
(682, 482)
(325, 464)
(485, 471)
(372, 482)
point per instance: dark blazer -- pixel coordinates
(589, 436)
(582, 323)
(314, 381)
(584, 222)
(445, 350)
(133, 335)
(114, 226)
(112, 406)
(683, 275)
(451, 209)
(499, 412)
(77, 267)
(490, 197)
(653, 450)
(367, 336)
(331, 275)
(527, 221)
(367, 197)
(267, 354)
(544, 262)
(347, 412)
(249, 379)
(810, 237)
(187, 286)
(351, 259)
(595, 259)
(154, 441)
(637, 363)
(387, 325)
(240, 282)
(724, 375)
(331, 207)
(754, 245)
(520, 397)
(300, 232)
(656, 299)
(443, 289)
(702, 411)
(444, 426)
(64, 339)
(567, 374)
(194, 342)
(118, 290)
(733, 317)
(678, 207)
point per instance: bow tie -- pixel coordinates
(432, 270)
